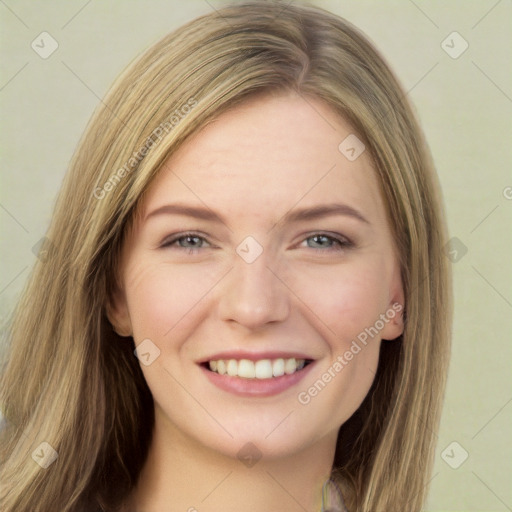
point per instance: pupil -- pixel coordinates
(320, 239)
(190, 240)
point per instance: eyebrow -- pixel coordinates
(302, 214)
(324, 210)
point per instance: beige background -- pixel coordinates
(465, 106)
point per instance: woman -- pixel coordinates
(245, 302)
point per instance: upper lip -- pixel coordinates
(254, 356)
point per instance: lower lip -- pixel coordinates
(256, 387)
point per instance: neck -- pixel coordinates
(181, 475)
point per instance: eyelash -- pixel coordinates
(188, 250)
(341, 242)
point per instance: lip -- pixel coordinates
(254, 356)
(256, 387)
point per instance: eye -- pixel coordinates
(323, 242)
(190, 242)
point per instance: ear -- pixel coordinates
(394, 316)
(118, 314)
(395, 312)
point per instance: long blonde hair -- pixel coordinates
(70, 381)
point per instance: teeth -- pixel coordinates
(290, 365)
(246, 369)
(278, 367)
(221, 367)
(262, 369)
(232, 368)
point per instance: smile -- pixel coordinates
(260, 369)
(251, 375)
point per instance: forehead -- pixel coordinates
(272, 151)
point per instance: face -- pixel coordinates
(260, 281)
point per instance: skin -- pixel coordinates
(252, 166)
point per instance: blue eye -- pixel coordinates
(190, 242)
(323, 242)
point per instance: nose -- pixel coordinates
(253, 295)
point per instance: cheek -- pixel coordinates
(164, 297)
(348, 302)
(347, 299)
